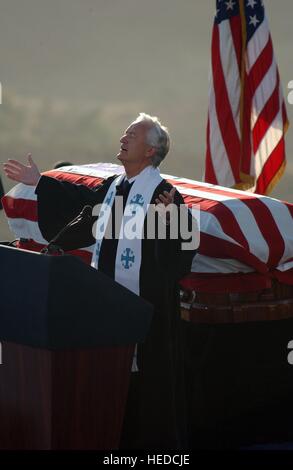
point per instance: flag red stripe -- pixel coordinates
(271, 167)
(219, 248)
(269, 230)
(210, 175)
(236, 282)
(246, 149)
(235, 25)
(266, 117)
(224, 216)
(90, 181)
(261, 66)
(20, 208)
(225, 117)
(31, 245)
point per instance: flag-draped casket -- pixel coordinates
(237, 300)
(246, 240)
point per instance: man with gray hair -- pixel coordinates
(155, 413)
(157, 137)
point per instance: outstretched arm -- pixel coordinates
(27, 174)
(59, 202)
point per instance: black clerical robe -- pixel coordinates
(155, 415)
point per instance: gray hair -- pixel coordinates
(157, 136)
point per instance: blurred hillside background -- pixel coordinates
(75, 73)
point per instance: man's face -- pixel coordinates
(134, 148)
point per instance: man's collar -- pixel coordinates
(132, 179)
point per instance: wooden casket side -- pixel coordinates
(239, 380)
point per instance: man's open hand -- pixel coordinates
(165, 205)
(17, 171)
(166, 198)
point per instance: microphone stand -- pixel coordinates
(53, 248)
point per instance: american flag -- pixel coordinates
(247, 117)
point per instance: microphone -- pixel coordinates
(52, 247)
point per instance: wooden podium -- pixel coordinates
(67, 334)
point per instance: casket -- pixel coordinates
(236, 306)
(239, 374)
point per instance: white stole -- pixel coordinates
(128, 255)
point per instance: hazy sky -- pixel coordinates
(135, 54)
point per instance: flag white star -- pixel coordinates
(230, 5)
(251, 3)
(253, 20)
(216, 13)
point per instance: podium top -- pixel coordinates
(58, 302)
